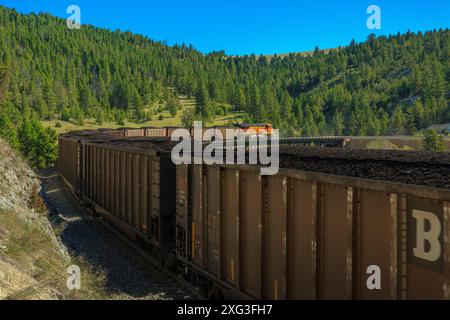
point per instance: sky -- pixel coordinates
(250, 26)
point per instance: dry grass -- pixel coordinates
(39, 257)
(384, 144)
(32, 263)
(166, 121)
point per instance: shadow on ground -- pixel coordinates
(127, 274)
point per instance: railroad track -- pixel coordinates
(53, 200)
(176, 277)
(134, 246)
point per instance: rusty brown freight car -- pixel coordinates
(316, 230)
(155, 132)
(117, 133)
(131, 184)
(69, 154)
(135, 132)
(69, 160)
(309, 235)
(170, 130)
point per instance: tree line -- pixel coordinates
(24, 132)
(394, 84)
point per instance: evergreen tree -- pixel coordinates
(7, 129)
(99, 117)
(433, 141)
(119, 117)
(4, 83)
(398, 121)
(78, 116)
(38, 144)
(173, 104)
(337, 123)
(203, 102)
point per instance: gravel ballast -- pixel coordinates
(128, 274)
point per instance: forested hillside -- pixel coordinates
(386, 85)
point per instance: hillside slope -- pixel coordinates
(394, 84)
(20, 218)
(33, 262)
(37, 244)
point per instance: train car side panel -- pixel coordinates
(376, 245)
(198, 219)
(274, 237)
(230, 190)
(335, 225)
(302, 241)
(213, 233)
(250, 228)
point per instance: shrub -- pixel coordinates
(432, 141)
(37, 143)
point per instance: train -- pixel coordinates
(234, 233)
(240, 129)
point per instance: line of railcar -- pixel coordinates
(294, 235)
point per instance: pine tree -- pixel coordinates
(240, 99)
(136, 105)
(203, 102)
(99, 116)
(398, 121)
(7, 129)
(173, 104)
(38, 144)
(78, 116)
(4, 83)
(49, 97)
(337, 123)
(119, 117)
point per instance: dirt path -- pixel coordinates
(128, 275)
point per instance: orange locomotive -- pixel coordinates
(257, 129)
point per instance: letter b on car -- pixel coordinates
(428, 232)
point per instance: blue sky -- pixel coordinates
(250, 26)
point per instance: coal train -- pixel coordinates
(243, 128)
(236, 234)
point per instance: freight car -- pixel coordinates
(310, 235)
(135, 132)
(69, 153)
(323, 141)
(116, 133)
(130, 186)
(155, 132)
(305, 233)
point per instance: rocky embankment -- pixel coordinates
(40, 239)
(29, 249)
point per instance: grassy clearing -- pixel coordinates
(167, 120)
(232, 117)
(384, 144)
(160, 118)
